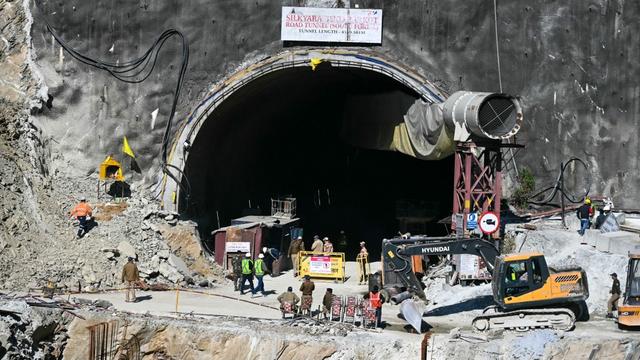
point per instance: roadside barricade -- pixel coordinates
(321, 265)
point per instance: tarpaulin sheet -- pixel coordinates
(390, 122)
(430, 138)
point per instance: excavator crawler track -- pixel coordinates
(525, 319)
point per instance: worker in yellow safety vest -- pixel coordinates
(259, 269)
(247, 273)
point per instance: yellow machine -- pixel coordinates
(629, 312)
(528, 294)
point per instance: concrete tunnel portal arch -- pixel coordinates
(317, 117)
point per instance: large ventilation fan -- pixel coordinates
(487, 115)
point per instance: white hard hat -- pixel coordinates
(260, 256)
(264, 249)
(299, 237)
(247, 255)
(325, 239)
(82, 198)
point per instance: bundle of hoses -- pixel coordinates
(136, 71)
(558, 187)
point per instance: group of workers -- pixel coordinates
(318, 246)
(326, 246)
(374, 300)
(245, 268)
(306, 288)
(586, 213)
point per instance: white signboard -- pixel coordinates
(233, 246)
(320, 265)
(489, 223)
(468, 265)
(331, 25)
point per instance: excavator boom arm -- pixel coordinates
(397, 255)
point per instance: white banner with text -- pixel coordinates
(331, 25)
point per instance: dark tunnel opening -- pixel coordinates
(309, 134)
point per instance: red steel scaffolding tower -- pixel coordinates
(477, 181)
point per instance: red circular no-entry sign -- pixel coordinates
(489, 222)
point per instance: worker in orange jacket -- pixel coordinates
(376, 299)
(83, 213)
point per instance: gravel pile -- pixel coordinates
(31, 333)
(39, 242)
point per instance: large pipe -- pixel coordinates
(483, 114)
(398, 298)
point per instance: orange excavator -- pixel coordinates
(528, 294)
(629, 312)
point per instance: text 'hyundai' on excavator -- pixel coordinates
(528, 294)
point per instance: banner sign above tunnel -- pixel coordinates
(331, 25)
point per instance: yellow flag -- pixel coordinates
(314, 62)
(127, 149)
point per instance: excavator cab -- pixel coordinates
(518, 276)
(525, 280)
(629, 312)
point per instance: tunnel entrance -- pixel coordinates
(309, 134)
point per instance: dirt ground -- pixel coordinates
(164, 303)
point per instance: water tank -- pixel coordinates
(483, 114)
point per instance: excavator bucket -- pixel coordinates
(412, 312)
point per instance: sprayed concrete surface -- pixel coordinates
(571, 61)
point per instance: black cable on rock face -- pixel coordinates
(136, 71)
(558, 187)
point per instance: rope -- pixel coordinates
(495, 21)
(116, 289)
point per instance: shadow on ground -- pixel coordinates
(478, 303)
(143, 298)
(424, 326)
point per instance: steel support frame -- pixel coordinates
(477, 180)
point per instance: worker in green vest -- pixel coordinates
(259, 269)
(247, 273)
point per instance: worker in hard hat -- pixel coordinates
(584, 213)
(602, 216)
(328, 246)
(82, 212)
(295, 247)
(271, 257)
(247, 273)
(259, 269)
